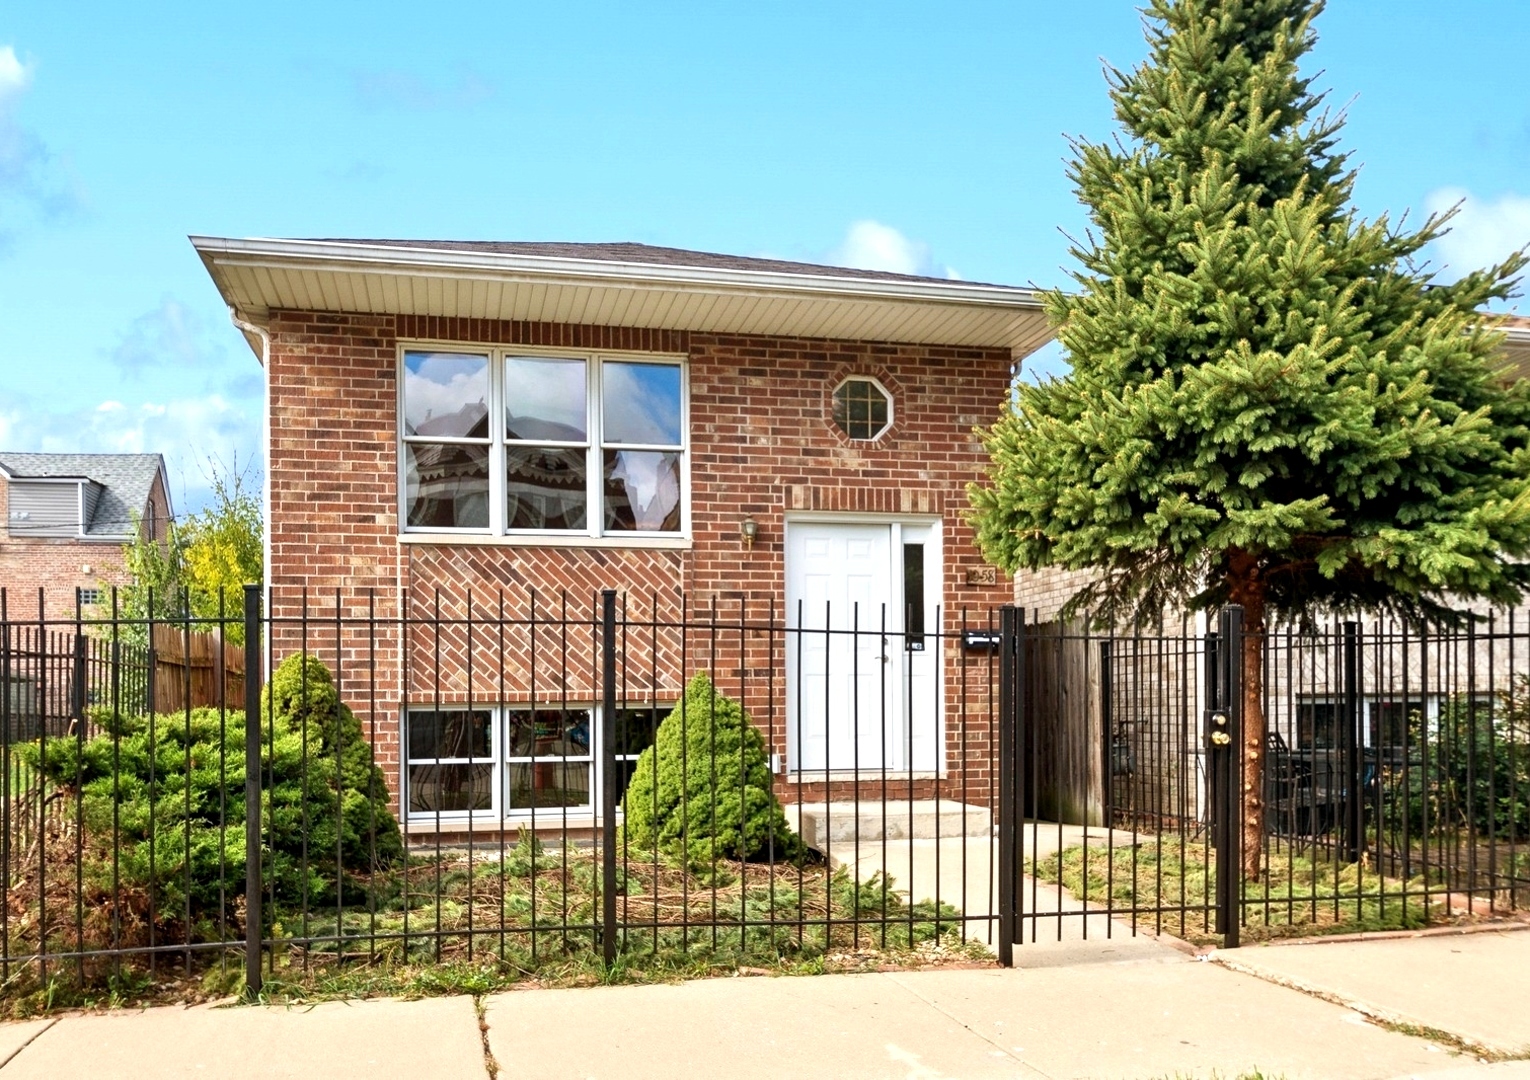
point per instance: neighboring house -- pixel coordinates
(684, 427)
(67, 517)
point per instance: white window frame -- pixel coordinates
(497, 532)
(1429, 701)
(500, 760)
(892, 405)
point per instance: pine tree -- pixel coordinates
(1270, 403)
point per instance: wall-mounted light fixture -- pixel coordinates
(749, 529)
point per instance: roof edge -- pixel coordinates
(377, 257)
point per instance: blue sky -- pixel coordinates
(909, 136)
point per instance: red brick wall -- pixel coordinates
(761, 444)
(55, 565)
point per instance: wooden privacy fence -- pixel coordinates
(195, 669)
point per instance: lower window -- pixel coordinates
(516, 761)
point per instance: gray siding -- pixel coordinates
(92, 495)
(44, 509)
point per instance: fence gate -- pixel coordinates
(1121, 781)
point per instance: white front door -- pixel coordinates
(862, 686)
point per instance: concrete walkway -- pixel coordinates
(963, 871)
(1157, 1012)
(1474, 985)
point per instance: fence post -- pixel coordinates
(1354, 796)
(608, 776)
(253, 882)
(1225, 749)
(78, 697)
(1009, 774)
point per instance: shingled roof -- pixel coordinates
(125, 480)
(636, 255)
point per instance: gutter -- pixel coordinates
(319, 255)
(265, 437)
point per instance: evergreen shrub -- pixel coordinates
(702, 792)
(1468, 771)
(167, 793)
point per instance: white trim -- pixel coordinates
(498, 532)
(855, 517)
(498, 815)
(892, 415)
(928, 529)
(322, 255)
(261, 276)
(864, 776)
(666, 541)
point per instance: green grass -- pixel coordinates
(1301, 893)
(461, 923)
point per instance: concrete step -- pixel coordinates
(822, 824)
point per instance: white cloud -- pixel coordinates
(185, 430)
(171, 335)
(31, 182)
(14, 75)
(1482, 234)
(870, 245)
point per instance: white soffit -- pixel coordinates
(256, 277)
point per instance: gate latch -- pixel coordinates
(1219, 735)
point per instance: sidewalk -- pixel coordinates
(1143, 1011)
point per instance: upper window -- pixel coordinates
(589, 445)
(862, 408)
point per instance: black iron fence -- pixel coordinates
(525, 780)
(533, 780)
(1394, 784)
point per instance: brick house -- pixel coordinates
(712, 436)
(67, 517)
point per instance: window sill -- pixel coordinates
(545, 819)
(652, 543)
(867, 775)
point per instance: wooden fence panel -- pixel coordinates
(1064, 726)
(195, 669)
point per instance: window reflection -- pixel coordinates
(446, 395)
(545, 399)
(641, 403)
(642, 491)
(446, 485)
(545, 488)
(547, 733)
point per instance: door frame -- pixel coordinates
(935, 588)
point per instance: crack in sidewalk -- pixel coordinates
(892, 977)
(481, 1010)
(1383, 1018)
(12, 1055)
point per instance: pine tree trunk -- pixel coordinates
(1247, 589)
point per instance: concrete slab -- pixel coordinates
(15, 1036)
(1167, 1018)
(1474, 986)
(857, 1027)
(437, 1037)
(963, 872)
(824, 824)
(1497, 1070)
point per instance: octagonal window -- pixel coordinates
(862, 408)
